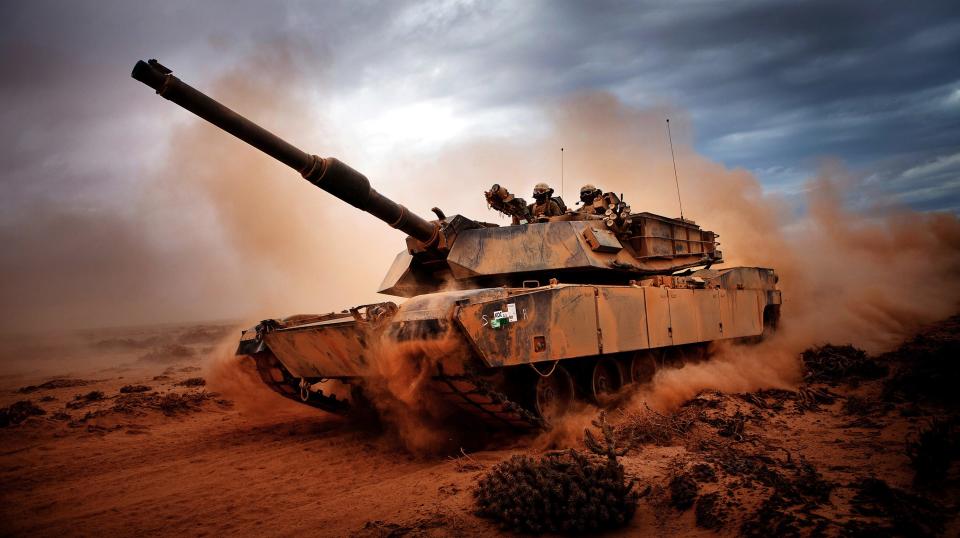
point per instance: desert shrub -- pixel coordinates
(855, 405)
(703, 472)
(128, 389)
(18, 412)
(836, 364)
(170, 404)
(905, 514)
(81, 400)
(193, 382)
(788, 508)
(931, 450)
(563, 492)
(683, 491)
(708, 512)
(646, 426)
(771, 519)
(54, 384)
(926, 368)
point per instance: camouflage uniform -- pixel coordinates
(550, 208)
(545, 206)
(588, 195)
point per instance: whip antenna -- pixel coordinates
(562, 193)
(676, 178)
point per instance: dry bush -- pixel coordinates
(19, 412)
(777, 398)
(703, 472)
(464, 463)
(931, 451)
(169, 404)
(855, 405)
(567, 492)
(708, 512)
(790, 504)
(193, 382)
(810, 399)
(926, 368)
(840, 364)
(54, 384)
(794, 489)
(730, 426)
(80, 400)
(904, 514)
(683, 491)
(129, 389)
(647, 426)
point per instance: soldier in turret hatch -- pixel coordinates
(545, 205)
(588, 197)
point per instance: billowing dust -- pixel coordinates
(399, 389)
(237, 379)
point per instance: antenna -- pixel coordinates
(562, 193)
(675, 176)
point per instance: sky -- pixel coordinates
(103, 222)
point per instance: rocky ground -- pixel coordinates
(175, 439)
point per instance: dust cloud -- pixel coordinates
(399, 389)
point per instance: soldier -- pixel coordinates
(545, 206)
(588, 195)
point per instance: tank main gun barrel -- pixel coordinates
(328, 173)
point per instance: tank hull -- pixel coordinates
(487, 332)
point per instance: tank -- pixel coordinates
(510, 323)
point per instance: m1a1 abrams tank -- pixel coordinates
(538, 313)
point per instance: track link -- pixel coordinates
(278, 378)
(477, 397)
(469, 392)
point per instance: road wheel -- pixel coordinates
(553, 394)
(642, 368)
(605, 379)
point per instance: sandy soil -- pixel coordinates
(231, 457)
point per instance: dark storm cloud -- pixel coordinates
(771, 86)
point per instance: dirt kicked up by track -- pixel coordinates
(167, 442)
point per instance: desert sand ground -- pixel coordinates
(157, 431)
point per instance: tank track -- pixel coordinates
(469, 392)
(279, 379)
(476, 396)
